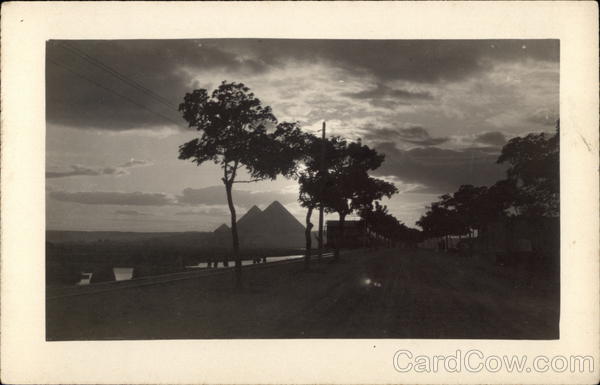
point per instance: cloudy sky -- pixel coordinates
(439, 110)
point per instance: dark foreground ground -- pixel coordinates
(388, 293)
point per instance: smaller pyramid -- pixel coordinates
(222, 229)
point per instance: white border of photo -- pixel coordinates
(26, 357)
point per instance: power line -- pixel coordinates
(112, 91)
(99, 64)
(119, 75)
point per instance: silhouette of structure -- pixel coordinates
(273, 227)
(355, 234)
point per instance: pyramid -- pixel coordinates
(250, 218)
(221, 237)
(222, 229)
(277, 216)
(274, 227)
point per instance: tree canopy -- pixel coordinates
(384, 225)
(531, 189)
(237, 131)
(234, 127)
(534, 169)
(349, 186)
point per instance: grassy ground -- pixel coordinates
(387, 293)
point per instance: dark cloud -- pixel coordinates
(427, 61)
(112, 198)
(82, 90)
(413, 134)
(215, 195)
(383, 92)
(493, 138)
(136, 163)
(77, 170)
(418, 135)
(440, 170)
(132, 213)
(113, 171)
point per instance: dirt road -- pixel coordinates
(387, 293)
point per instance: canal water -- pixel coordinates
(126, 273)
(204, 265)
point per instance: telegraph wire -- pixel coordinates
(112, 91)
(119, 75)
(132, 83)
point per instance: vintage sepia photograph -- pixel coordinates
(335, 192)
(302, 189)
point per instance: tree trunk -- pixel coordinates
(308, 236)
(234, 236)
(339, 238)
(320, 239)
(471, 242)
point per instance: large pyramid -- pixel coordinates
(274, 227)
(250, 219)
(277, 218)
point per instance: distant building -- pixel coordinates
(355, 234)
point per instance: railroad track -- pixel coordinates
(104, 287)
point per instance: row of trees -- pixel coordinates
(530, 189)
(237, 131)
(388, 228)
(336, 177)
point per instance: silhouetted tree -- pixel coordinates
(348, 184)
(311, 184)
(531, 190)
(233, 126)
(380, 222)
(440, 221)
(470, 206)
(384, 225)
(413, 237)
(313, 178)
(534, 169)
(499, 199)
(310, 189)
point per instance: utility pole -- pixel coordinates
(323, 170)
